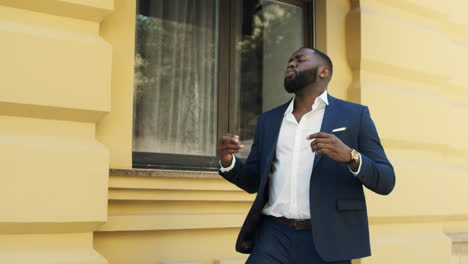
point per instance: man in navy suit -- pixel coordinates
(308, 162)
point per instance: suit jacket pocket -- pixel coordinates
(343, 135)
(350, 205)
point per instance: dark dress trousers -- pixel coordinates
(337, 204)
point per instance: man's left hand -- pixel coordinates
(330, 145)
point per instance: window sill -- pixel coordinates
(164, 173)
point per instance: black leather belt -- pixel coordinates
(303, 224)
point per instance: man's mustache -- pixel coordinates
(292, 69)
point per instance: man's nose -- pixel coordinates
(292, 64)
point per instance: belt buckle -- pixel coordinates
(298, 224)
(295, 224)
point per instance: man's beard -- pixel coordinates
(300, 80)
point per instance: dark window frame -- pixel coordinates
(226, 88)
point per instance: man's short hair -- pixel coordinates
(324, 57)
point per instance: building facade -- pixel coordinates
(111, 109)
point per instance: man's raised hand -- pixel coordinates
(330, 145)
(228, 145)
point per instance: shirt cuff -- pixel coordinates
(359, 168)
(222, 169)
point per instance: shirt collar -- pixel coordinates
(322, 99)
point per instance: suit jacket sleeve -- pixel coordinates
(377, 173)
(247, 175)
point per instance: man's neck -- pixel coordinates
(305, 99)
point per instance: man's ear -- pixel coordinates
(324, 72)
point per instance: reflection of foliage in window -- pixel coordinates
(144, 25)
(270, 14)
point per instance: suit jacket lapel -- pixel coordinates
(273, 127)
(328, 122)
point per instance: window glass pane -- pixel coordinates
(268, 32)
(176, 77)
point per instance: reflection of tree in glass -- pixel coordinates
(269, 16)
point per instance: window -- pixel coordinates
(206, 67)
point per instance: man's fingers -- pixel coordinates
(231, 151)
(318, 135)
(230, 139)
(229, 144)
(320, 140)
(319, 146)
(232, 146)
(324, 152)
(232, 135)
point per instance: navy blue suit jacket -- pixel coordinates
(337, 203)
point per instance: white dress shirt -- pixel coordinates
(292, 165)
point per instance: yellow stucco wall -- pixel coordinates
(115, 129)
(412, 56)
(66, 112)
(172, 217)
(55, 86)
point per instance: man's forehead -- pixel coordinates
(303, 52)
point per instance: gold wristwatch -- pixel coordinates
(354, 156)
